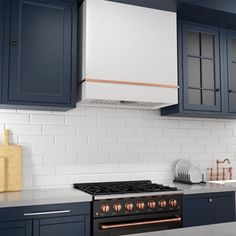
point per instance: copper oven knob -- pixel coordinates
(129, 206)
(162, 203)
(151, 204)
(117, 207)
(140, 205)
(105, 208)
(173, 203)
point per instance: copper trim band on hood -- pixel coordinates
(129, 83)
(139, 223)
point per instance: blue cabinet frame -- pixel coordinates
(22, 221)
(186, 28)
(211, 208)
(224, 107)
(40, 54)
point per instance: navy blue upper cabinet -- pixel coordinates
(207, 72)
(231, 71)
(41, 41)
(200, 65)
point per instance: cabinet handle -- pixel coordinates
(46, 213)
(14, 43)
(210, 200)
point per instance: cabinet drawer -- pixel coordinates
(202, 209)
(44, 211)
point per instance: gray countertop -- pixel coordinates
(43, 197)
(226, 229)
(69, 195)
(204, 188)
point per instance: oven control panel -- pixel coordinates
(136, 205)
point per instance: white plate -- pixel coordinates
(182, 163)
(194, 174)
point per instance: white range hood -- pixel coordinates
(129, 56)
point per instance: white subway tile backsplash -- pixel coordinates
(92, 131)
(59, 130)
(47, 119)
(216, 148)
(121, 131)
(199, 132)
(47, 149)
(72, 169)
(132, 122)
(81, 120)
(112, 148)
(148, 132)
(50, 181)
(103, 140)
(36, 170)
(14, 119)
(193, 148)
(132, 140)
(71, 139)
(111, 121)
(159, 140)
(36, 139)
(60, 159)
(142, 148)
(175, 132)
(22, 129)
(82, 148)
(106, 144)
(166, 123)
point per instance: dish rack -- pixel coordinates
(185, 172)
(177, 180)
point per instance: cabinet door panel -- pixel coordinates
(231, 53)
(40, 51)
(62, 226)
(201, 74)
(203, 209)
(18, 228)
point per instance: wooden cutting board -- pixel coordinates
(11, 160)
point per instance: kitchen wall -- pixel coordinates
(103, 144)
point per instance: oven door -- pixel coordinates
(116, 226)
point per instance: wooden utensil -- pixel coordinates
(12, 155)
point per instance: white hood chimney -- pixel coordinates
(129, 56)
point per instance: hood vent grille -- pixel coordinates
(120, 104)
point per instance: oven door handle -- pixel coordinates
(139, 223)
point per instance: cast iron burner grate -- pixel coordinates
(107, 188)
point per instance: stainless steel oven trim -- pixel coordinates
(130, 195)
(139, 223)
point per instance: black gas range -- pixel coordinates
(128, 207)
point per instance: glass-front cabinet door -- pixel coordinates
(201, 68)
(231, 54)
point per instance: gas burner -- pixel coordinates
(108, 188)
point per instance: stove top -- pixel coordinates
(124, 187)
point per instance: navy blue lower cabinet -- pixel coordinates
(204, 209)
(40, 54)
(60, 226)
(72, 219)
(19, 228)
